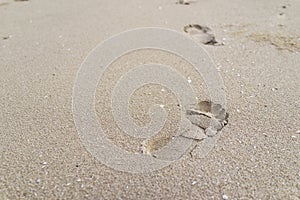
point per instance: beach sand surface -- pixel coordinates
(42, 45)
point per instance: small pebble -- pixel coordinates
(225, 197)
(194, 182)
(38, 180)
(265, 134)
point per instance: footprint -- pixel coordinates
(185, 2)
(204, 119)
(201, 34)
(208, 116)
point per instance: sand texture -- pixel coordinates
(255, 46)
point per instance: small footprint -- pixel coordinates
(185, 2)
(201, 34)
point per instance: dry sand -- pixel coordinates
(43, 43)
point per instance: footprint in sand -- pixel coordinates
(184, 2)
(208, 116)
(201, 34)
(204, 119)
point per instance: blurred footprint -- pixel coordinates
(185, 2)
(201, 34)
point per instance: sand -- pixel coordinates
(42, 45)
